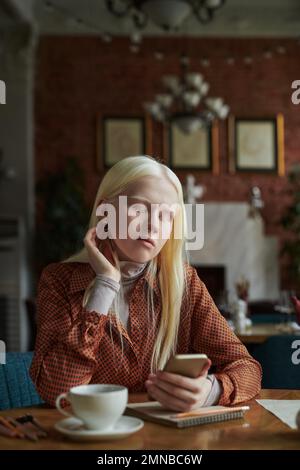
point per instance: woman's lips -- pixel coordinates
(148, 243)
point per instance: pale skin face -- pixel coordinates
(147, 190)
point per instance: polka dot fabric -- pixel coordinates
(75, 347)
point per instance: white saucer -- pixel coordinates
(73, 428)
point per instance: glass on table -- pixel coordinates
(286, 308)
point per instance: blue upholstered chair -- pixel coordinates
(16, 387)
(276, 357)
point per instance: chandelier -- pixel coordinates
(185, 102)
(167, 14)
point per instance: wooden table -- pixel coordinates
(259, 430)
(259, 333)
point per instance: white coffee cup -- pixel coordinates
(99, 406)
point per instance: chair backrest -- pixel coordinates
(271, 318)
(16, 387)
(279, 357)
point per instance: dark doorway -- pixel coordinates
(214, 279)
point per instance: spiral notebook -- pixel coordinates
(153, 411)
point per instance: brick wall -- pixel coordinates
(79, 79)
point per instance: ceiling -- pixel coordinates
(237, 18)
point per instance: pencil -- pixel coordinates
(202, 412)
(4, 431)
(8, 425)
(22, 428)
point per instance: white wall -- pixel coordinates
(238, 242)
(16, 142)
(16, 130)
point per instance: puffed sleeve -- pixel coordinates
(67, 343)
(236, 370)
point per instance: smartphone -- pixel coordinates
(189, 365)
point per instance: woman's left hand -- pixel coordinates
(179, 393)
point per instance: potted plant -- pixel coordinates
(62, 215)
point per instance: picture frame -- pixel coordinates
(256, 145)
(119, 137)
(196, 151)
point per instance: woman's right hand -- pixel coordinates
(102, 262)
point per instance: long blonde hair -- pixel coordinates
(168, 265)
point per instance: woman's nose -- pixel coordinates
(153, 223)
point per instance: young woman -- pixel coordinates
(117, 310)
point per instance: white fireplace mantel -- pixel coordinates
(238, 242)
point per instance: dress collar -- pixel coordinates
(131, 269)
(83, 274)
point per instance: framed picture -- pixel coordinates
(256, 145)
(119, 137)
(196, 151)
